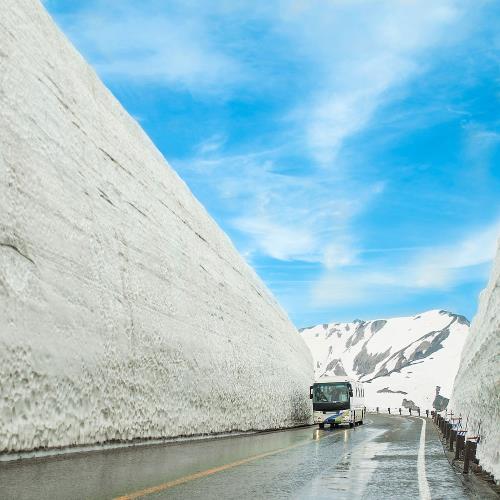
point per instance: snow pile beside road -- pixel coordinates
(125, 311)
(476, 392)
(402, 360)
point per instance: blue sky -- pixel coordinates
(350, 149)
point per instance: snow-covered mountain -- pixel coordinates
(405, 362)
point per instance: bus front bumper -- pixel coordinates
(331, 417)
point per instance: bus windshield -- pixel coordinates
(331, 393)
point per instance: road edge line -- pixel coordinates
(423, 485)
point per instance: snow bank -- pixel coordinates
(476, 392)
(125, 312)
(398, 358)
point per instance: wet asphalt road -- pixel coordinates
(378, 460)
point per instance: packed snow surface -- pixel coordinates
(402, 360)
(125, 311)
(476, 391)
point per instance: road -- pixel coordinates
(388, 457)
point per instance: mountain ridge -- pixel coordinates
(358, 320)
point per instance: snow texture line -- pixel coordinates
(423, 485)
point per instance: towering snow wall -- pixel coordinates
(125, 312)
(476, 391)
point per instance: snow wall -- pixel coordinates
(125, 311)
(476, 391)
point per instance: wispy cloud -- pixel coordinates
(433, 268)
(282, 242)
(158, 44)
(480, 146)
(210, 145)
(447, 265)
(284, 216)
(364, 51)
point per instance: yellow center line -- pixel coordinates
(198, 475)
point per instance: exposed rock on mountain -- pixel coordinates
(386, 389)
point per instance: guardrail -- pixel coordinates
(401, 411)
(461, 441)
(456, 437)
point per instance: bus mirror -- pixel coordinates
(350, 392)
(311, 392)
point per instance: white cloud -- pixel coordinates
(283, 216)
(480, 146)
(278, 241)
(160, 44)
(448, 265)
(362, 50)
(210, 145)
(437, 268)
(339, 254)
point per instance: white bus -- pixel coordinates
(338, 401)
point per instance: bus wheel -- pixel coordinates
(321, 426)
(351, 424)
(361, 422)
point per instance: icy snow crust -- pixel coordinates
(476, 391)
(399, 358)
(125, 312)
